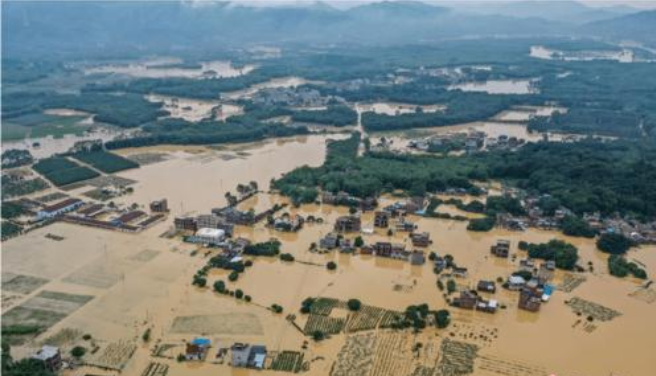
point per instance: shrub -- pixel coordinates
(239, 294)
(220, 287)
(276, 308)
(287, 257)
(233, 276)
(331, 265)
(615, 244)
(78, 351)
(354, 304)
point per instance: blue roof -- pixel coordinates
(201, 341)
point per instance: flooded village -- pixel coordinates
(464, 206)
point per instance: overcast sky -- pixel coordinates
(644, 4)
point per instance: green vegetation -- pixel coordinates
(233, 276)
(615, 244)
(78, 351)
(287, 257)
(12, 330)
(276, 308)
(24, 367)
(481, 224)
(575, 226)
(620, 267)
(337, 115)
(199, 280)
(61, 171)
(13, 186)
(354, 304)
(9, 230)
(442, 318)
(146, 335)
(220, 287)
(450, 286)
(331, 265)
(13, 209)
(417, 316)
(564, 254)
(16, 157)
(270, 248)
(106, 162)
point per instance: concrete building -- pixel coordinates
(210, 236)
(159, 206)
(59, 208)
(501, 249)
(348, 223)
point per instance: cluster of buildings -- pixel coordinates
(470, 141)
(345, 199)
(293, 97)
(242, 355)
(287, 222)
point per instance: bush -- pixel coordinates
(331, 265)
(442, 318)
(233, 276)
(248, 298)
(358, 242)
(615, 244)
(78, 351)
(318, 335)
(354, 304)
(287, 257)
(620, 267)
(239, 294)
(575, 226)
(481, 224)
(276, 308)
(199, 281)
(450, 286)
(220, 287)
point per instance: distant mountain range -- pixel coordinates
(83, 28)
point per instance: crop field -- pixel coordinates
(22, 284)
(325, 324)
(509, 367)
(63, 337)
(225, 323)
(288, 361)
(148, 158)
(597, 311)
(50, 197)
(356, 358)
(45, 309)
(571, 282)
(155, 369)
(324, 306)
(104, 181)
(106, 162)
(369, 318)
(13, 188)
(394, 355)
(41, 125)
(115, 355)
(645, 295)
(61, 171)
(101, 273)
(456, 358)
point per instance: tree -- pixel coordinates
(239, 294)
(575, 226)
(287, 257)
(276, 308)
(564, 254)
(450, 286)
(331, 265)
(615, 244)
(199, 280)
(318, 335)
(442, 318)
(233, 276)
(78, 351)
(354, 304)
(358, 242)
(220, 287)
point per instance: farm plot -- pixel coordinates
(393, 355)
(101, 273)
(145, 255)
(644, 295)
(369, 318)
(115, 355)
(50, 197)
(288, 361)
(155, 369)
(597, 311)
(356, 358)
(571, 282)
(324, 306)
(148, 158)
(106, 162)
(44, 310)
(63, 337)
(324, 324)
(62, 171)
(110, 180)
(509, 367)
(225, 323)
(22, 284)
(456, 358)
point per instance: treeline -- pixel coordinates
(123, 110)
(336, 115)
(181, 132)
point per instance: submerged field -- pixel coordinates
(115, 286)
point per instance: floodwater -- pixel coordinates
(622, 56)
(143, 280)
(498, 87)
(195, 110)
(392, 108)
(525, 113)
(271, 84)
(161, 68)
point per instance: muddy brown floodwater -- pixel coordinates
(141, 281)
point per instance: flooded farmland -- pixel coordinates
(195, 110)
(172, 68)
(129, 283)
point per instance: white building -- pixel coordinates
(212, 236)
(59, 208)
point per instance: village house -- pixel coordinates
(489, 306)
(234, 216)
(466, 300)
(288, 223)
(405, 226)
(214, 221)
(458, 271)
(381, 219)
(348, 223)
(208, 236)
(62, 207)
(51, 356)
(383, 249)
(417, 257)
(530, 299)
(159, 206)
(346, 246)
(185, 223)
(501, 249)
(420, 239)
(91, 210)
(368, 204)
(329, 241)
(516, 282)
(486, 286)
(235, 247)
(439, 263)
(248, 356)
(527, 265)
(366, 250)
(197, 348)
(339, 198)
